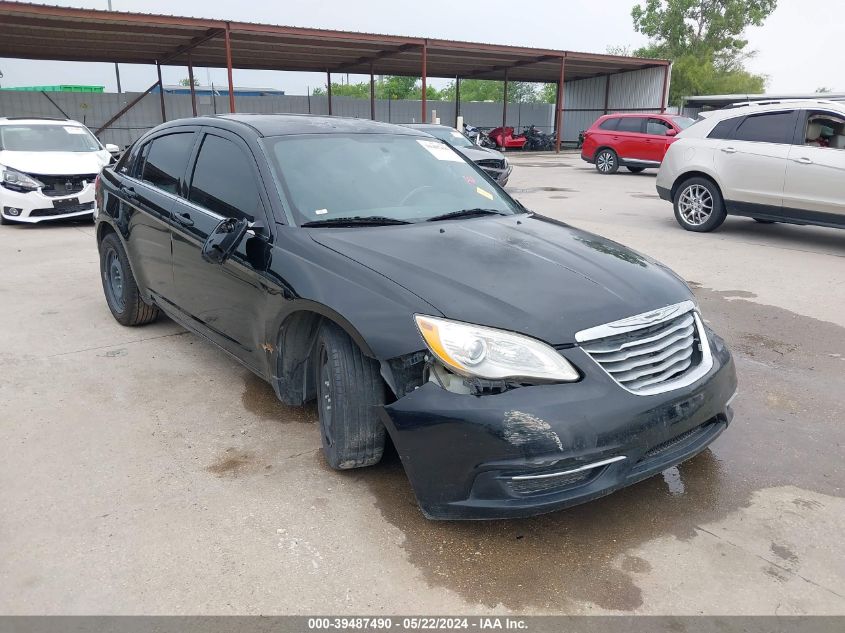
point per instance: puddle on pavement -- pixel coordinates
(582, 554)
(259, 398)
(232, 463)
(538, 189)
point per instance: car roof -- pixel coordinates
(37, 120)
(426, 126)
(637, 114)
(745, 108)
(289, 124)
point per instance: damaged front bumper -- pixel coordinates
(541, 448)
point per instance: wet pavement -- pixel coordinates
(146, 472)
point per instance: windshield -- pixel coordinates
(450, 135)
(394, 176)
(47, 138)
(682, 121)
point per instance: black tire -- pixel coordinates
(634, 170)
(607, 162)
(122, 296)
(764, 221)
(698, 205)
(350, 392)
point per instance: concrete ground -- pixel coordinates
(143, 471)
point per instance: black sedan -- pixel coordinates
(518, 365)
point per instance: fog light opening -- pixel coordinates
(12, 211)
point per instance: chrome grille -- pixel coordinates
(653, 352)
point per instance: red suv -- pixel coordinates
(633, 141)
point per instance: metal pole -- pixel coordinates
(161, 93)
(665, 98)
(504, 107)
(116, 67)
(606, 94)
(191, 80)
(329, 90)
(457, 100)
(559, 122)
(557, 97)
(424, 73)
(229, 68)
(372, 94)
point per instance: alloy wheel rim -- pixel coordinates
(115, 281)
(696, 205)
(605, 161)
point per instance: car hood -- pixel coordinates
(56, 163)
(479, 153)
(528, 274)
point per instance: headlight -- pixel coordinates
(18, 181)
(483, 352)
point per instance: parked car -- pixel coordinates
(519, 365)
(781, 161)
(633, 141)
(491, 161)
(48, 168)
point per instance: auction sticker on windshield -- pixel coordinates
(439, 150)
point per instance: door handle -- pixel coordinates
(729, 150)
(184, 219)
(803, 160)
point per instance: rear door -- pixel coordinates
(148, 191)
(751, 161)
(225, 300)
(628, 139)
(815, 171)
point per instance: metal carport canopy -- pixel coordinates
(34, 31)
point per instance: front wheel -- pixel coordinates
(350, 392)
(607, 162)
(635, 170)
(699, 206)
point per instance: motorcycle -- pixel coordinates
(506, 139)
(477, 136)
(537, 140)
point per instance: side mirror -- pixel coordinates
(223, 241)
(671, 132)
(112, 149)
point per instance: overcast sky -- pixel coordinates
(799, 47)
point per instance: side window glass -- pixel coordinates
(609, 124)
(224, 180)
(774, 127)
(657, 127)
(165, 159)
(824, 129)
(630, 124)
(723, 129)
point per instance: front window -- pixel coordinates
(451, 136)
(47, 138)
(399, 177)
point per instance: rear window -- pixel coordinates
(165, 160)
(774, 127)
(630, 124)
(723, 129)
(609, 124)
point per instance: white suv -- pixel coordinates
(780, 161)
(48, 168)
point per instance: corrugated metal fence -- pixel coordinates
(584, 102)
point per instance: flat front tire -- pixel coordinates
(699, 206)
(607, 162)
(122, 295)
(350, 392)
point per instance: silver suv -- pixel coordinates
(777, 161)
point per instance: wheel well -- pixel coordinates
(694, 174)
(104, 229)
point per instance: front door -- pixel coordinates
(225, 300)
(656, 140)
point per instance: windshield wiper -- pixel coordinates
(465, 213)
(372, 220)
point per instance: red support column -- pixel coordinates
(559, 121)
(161, 93)
(504, 108)
(193, 90)
(665, 98)
(424, 73)
(606, 94)
(329, 90)
(229, 68)
(372, 94)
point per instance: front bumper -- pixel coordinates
(501, 176)
(665, 193)
(537, 449)
(35, 207)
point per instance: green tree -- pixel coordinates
(705, 40)
(187, 82)
(487, 90)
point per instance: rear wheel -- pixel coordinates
(122, 295)
(607, 162)
(699, 206)
(635, 170)
(350, 392)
